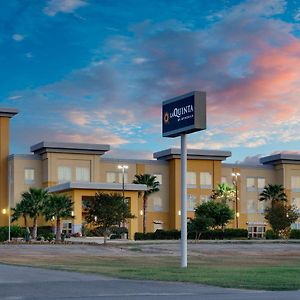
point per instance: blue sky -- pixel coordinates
(97, 71)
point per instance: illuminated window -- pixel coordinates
(82, 174)
(64, 174)
(29, 175)
(205, 180)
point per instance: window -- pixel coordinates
(256, 231)
(157, 204)
(223, 179)
(82, 174)
(64, 174)
(111, 177)
(204, 198)
(66, 227)
(251, 206)
(261, 206)
(205, 180)
(251, 184)
(29, 176)
(191, 179)
(295, 183)
(158, 178)
(296, 202)
(191, 202)
(295, 225)
(261, 183)
(125, 177)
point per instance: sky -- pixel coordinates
(97, 71)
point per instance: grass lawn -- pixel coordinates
(272, 272)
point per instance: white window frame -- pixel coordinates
(159, 178)
(191, 202)
(295, 184)
(191, 180)
(83, 174)
(157, 206)
(205, 181)
(251, 188)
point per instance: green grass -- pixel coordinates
(235, 271)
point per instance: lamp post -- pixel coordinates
(123, 168)
(4, 212)
(235, 176)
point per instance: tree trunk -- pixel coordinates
(26, 223)
(34, 229)
(105, 237)
(58, 232)
(144, 214)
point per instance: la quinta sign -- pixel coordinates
(184, 114)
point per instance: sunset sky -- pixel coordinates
(94, 71)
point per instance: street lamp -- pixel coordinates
(4, 212)
(123, 168)
(235, 176)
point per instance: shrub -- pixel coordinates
(15, 232)
(271, 235)
(235, 233)
(42, 230)
(295, 234)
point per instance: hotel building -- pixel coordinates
(81, 170)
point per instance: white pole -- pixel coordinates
(183, 202)
(9, 196)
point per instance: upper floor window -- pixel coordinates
(64, 174)
(223, 179)
(204, 198)
(83, 174)
(29, 176)
(295, 183)
(191, 179)
(111, 177)
(157, 204)
(261, 183)
(191, 202)
(158, 178)
(205, 180)
(251, 206)
(125, 177)
(251, 184)
(296, 202)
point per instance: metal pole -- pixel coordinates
(183, 202)
(123, 185)
(236, 204)
(9, 196)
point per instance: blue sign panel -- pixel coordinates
(184, 114)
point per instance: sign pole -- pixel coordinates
(183, 202)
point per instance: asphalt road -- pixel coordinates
(17, 283)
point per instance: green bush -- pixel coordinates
(271, 235)
(235, 233)
(219, 234)
(42, 230)
(15, 232)
(295, 234)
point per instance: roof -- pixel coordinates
(96, 186)
(281, 158)
(78, 148)
(8, 112)
(172, 153)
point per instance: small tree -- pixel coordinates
(34, 200)
(199, 224)
(107, 210)
(223, 193)
(273, 193)
(21, 210)
(280, 217)
(152, 187)
(219, 212)
(58, 207)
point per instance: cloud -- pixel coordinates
(17, 37)
(64, 6)
(251, 160)
(15, 97)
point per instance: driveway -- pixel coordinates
(17, 283)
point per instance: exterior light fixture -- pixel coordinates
(179, 213)
(72, 213)
(4, 211)
(141, 212)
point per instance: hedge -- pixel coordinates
(295, 234)
(271, 235)
(216, 234)
(15, 232)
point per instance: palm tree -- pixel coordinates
(21, 210)
(223, 193)
(152, 187)
(34, 199)
(273, 192)
(57, 207)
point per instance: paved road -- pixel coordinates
(18, 283)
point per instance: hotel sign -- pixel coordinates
(184, 114)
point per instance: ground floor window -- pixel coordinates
(295, 225)
(256, 231)
(67, 227)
